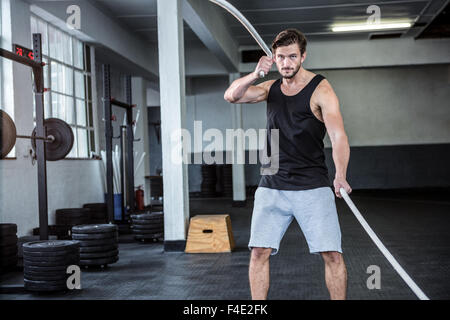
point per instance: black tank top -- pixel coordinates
(301, 151)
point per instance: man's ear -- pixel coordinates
(304, 56)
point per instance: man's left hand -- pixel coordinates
(341, 183)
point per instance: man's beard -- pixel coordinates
(294, 73)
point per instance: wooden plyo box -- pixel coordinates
(210, 234)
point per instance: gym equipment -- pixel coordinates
(210, 234)
(61, 139)
(58, 140)
(240, 17)
(45, 264)
(98, 244)
(146, 226)
(414, 287)
(34, 61)
(126, 138)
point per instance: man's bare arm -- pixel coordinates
(329, 104)
(242, 90)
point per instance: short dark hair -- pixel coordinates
(288, 37)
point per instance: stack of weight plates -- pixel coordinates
(8, 246)
(148, 226)
(227, 181)
(98, 244)
(73, 216)
(60, 231)
(209, 179)
(99, 212)
(45, 264)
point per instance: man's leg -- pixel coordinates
(335, 274)
(258, 272)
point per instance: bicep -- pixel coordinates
(329, 104)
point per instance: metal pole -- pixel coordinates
(40, 144)
(130, 155)
(109, 136)
(123, 165)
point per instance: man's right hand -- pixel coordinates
(264, 64)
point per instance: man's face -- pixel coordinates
(288, 60)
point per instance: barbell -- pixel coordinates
(58, 140)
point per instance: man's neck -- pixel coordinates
(299, 79)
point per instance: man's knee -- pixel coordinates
(261, 253)
(332, 258)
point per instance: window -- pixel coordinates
(67, 75)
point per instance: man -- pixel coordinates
(302, 106)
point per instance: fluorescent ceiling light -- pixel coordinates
(374, 26)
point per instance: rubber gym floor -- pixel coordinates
(412, 225)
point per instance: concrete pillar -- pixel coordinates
(139, 98)
(239, 197)
(173, 109)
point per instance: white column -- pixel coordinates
(173, 109)
(139, 98)
(238, 169)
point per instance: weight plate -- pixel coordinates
(8, 241)
(96, 243)
(60, 268)
(147, 216)
(67, 262)
(147, 228)
(62, 133)
(95, 228)
(148, 236)
(55, 285)
(151, 223)
(72, 212)
(45, 277)
(8, 134)
(94, 236)
(8, 250)
(49, 254)
(56, 260)
(96, 206)
(98, 255)
(99, 262)
(8, 229)
(98, 248)
(145, 232)
(50, 245)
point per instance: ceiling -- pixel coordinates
(313, 17)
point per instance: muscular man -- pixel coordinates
(302, 106)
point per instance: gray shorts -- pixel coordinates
(314, 210)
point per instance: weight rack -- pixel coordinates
(38, 75)
(108, 102)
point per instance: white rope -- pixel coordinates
(240, 17)
(414, 287)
